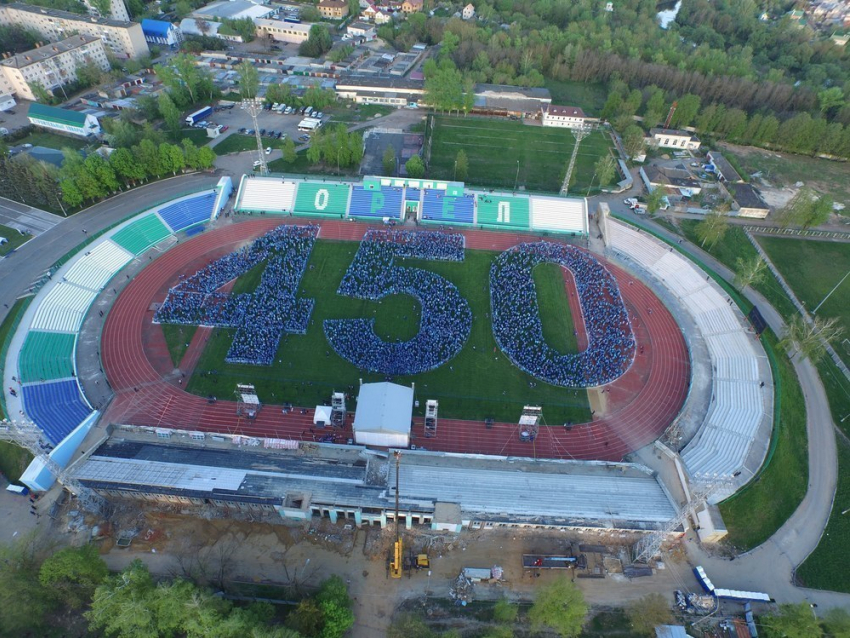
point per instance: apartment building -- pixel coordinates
(333, 9)
(122, 39)
(51, 66)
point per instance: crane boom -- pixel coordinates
(396, 561)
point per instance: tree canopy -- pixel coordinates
(560, 607)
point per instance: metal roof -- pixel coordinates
(57, 115)
(384, 407)
(174, 475)
(156, 28)
(47, 51)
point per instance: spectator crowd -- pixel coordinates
(446, 319)
(519, 331)
(259, 317)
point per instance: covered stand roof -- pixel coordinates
(384, 407)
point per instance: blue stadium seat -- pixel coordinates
(385, 202)
(188, 212)
(57, 408)
(440, 207)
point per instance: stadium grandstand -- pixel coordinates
(432, 201)
(44, 364)
(733, 438)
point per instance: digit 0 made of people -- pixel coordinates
(261, 318)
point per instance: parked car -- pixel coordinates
(630, 202)
(318, 115)
(304, 138)
(268, 150)
(243, 130)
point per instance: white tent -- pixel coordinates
(322, 415)
(383, 415)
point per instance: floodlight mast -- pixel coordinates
(28, 435)
(253, 106)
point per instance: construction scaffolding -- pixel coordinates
(529, 423)
(247, 402)
(29, 436)
(431, 407)
(338, 409)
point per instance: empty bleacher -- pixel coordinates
(46, 356)
(562, 214)
(322, 199)
(737, 406)
(439, 207)
(57, 408)
(380, 202)
(502, 210)
(188, 212)
(63, 308)
(96, 268)
(264, 194)
(140, 235)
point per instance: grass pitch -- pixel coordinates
(494, 147)
(480, 382)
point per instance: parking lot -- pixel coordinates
(236, 119)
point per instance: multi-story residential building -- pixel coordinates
(333, 9)
(51, 66)
(123, 39)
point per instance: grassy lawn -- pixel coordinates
(733, 245)
(558, 329)
(237, 143)
(178, 339)
(476, 384)
(198, 136)
(15, 239)
(784, 169)
(52, 140)
(495, 146)
(300, 166)
(588, 97)
(357, 112)
(812, 269)
(761, 508)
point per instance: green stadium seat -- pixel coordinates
(503, 211)
(46, 356)
(322, 199)
(142, 234)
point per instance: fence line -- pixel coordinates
(798, 232)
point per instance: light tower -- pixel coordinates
(29, 436)
(579, 134)
(253, 106)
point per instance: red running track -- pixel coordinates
(636, 408)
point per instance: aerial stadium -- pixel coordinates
(269, 346)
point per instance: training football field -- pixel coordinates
(478, 383)
(497, 148)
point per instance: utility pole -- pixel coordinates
(29, 436)
(253, 106)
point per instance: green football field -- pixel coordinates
(503, 153)
(478, 383)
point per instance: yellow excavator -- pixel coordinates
(397, 556)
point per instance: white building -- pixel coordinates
(383, 416)
(564, 116)
(63, 120)
(362, 30)
(373, 14)
(468, 12)
(117, 10)
(51, 66)
(670, 138)
(124, 39)
(161, 33)
(233, 10)
(7, 102)
(199, 26)
(281, 31)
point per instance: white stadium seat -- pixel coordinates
(93, 270)
(63, 308)
(267, 194)
(736, 410)
(564, 214)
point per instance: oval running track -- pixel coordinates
(638, 407)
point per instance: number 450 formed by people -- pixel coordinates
(260, 318)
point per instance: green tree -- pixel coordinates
(560, 607)
(389, 160)
(126, 167)
(831, 99)
(73, 573)
(408, 626)
(749, 272)
(249, 80)
(340, 53)
(190, 153)
(654, 199)
(461, 165)
(72, 196)
(605, 169)
(504, 611)
(806, 209)
(712, 229)
(147, 153)
(792, 621)
(206, 158)
(182, 79)
(317, 43)
(687, 108)
(414, 167)
(89, 74)
(25, 603)
(633, 141)
(101, 171)
(170, 113)
(289, 153)
(837, 623)
(647, 613)
(612, 106)
(103, 7)
(306, 618)
(171, 158)
(122, 605)
(809, 339)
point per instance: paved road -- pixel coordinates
(25, 218)
(25, 265)
(770, 567)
